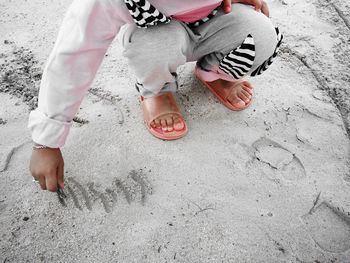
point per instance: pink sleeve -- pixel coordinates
(86, 33)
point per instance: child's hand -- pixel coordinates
(46, 166)
(260, 5)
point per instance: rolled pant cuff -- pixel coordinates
(214, 74)
(147, 93)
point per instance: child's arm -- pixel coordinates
(260, 5)
(86, 32)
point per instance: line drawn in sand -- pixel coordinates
(83, 193)
(279, 158)
(125, 190)
(113, 99)
(135, 185)
(61, 197)
(100, 196)
(6, 163)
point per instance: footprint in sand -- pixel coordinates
(279, 159)
(328, 228)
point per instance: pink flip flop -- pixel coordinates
(222, 94)
(157, 106)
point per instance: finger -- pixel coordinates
(60, 176)
(265, 9)
(257, 5)
(41, 181)
(227, 6)
(51, 182)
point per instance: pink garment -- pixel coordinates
(196, 14)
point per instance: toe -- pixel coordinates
(247, 94)
(178, 124)
(243, 97)
(158, 124)
(236, 102)
(246, 83)
(153, 124)
(247, 87)
(170, 123)
(163, 123)
(249, 90)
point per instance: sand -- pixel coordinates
(269, 184)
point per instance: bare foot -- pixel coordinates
(162, 117)
(169, 122)
(238, 93)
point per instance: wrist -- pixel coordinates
(38, 146)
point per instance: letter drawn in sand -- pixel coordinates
(100, 196)
(123, 188)
(83, 192)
